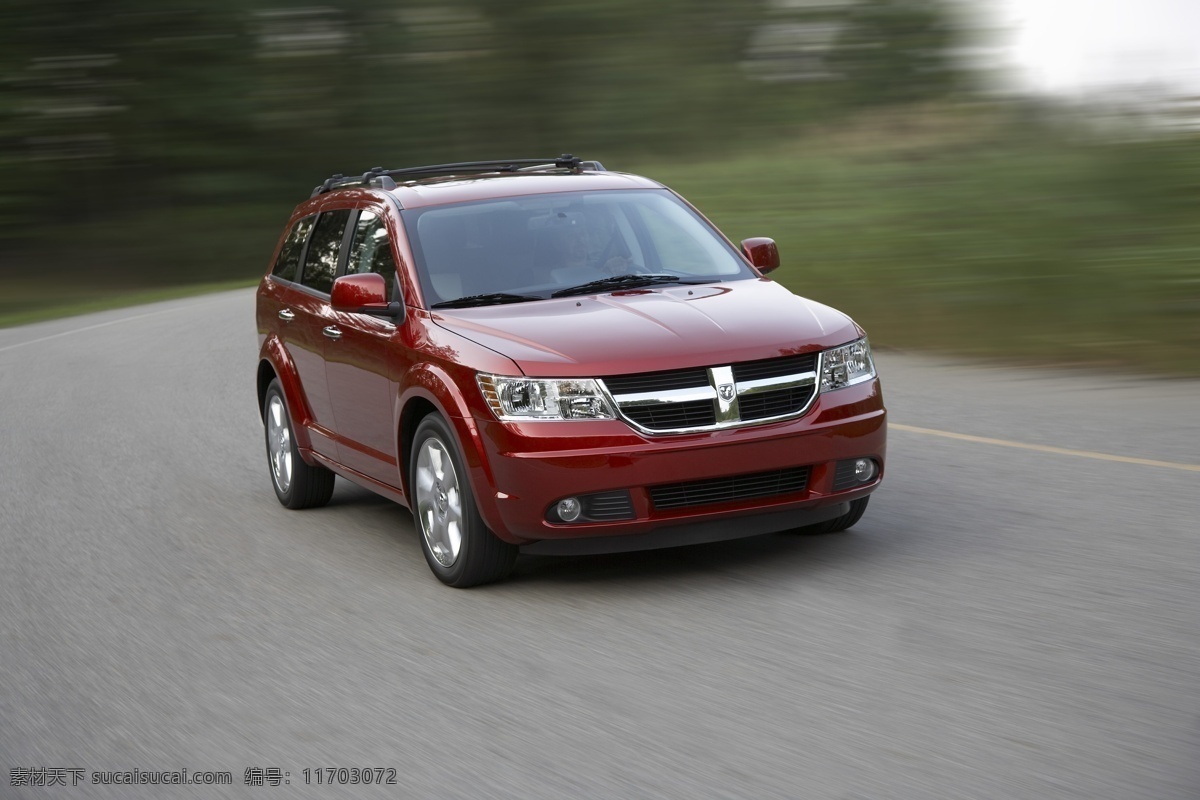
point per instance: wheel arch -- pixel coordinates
(266, 374)
(432, 390)
(274, 363)
(415, 410)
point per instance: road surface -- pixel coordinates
(1017, 616)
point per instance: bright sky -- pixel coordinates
(1069, 46)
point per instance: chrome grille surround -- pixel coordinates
(715, 403)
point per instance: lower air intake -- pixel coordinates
(733, 487)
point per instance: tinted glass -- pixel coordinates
(538, 244)
(371, 250)
(288, 263)
(321, 263)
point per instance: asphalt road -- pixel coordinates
(1006, 622)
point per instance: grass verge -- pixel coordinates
(968, 234)
(25, 302)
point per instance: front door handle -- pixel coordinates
(332, 332)
(287, 315)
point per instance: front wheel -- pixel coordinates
(837, 524)
(459, 548)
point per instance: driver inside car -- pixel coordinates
(574, 263)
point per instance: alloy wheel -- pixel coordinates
(439, 502)
(279, 444)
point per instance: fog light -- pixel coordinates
(864, 469)
(569, 509)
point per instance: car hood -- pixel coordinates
(646, 330)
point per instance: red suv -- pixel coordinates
(541, 355)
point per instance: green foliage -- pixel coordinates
(895, 51)
(175, 106)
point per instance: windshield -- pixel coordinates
(529, 248)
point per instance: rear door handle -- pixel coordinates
(331, 332)
(287, 315)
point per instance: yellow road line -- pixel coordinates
(1042, 448)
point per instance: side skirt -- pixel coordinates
(356, 477)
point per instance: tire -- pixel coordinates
(458, 546)
(297, 484)
(837, 524)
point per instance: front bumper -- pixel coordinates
(522, 470)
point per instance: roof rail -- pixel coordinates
(385, 178)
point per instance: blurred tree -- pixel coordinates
(611, 76)
(57, 105)
(174, 108)
(895, 51)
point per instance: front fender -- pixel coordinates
(431, 385)
(275, 357)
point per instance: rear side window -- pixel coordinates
(320, 265)
(288, 264)
(371, 250)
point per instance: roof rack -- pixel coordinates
(385, 178)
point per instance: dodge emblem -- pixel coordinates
(725, 390)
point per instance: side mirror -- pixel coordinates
(762, 253)
(365, 293)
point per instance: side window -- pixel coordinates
(371, 250)
(288, 263)
(323, 251)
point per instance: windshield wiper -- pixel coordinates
(630, 281)
(493, 299)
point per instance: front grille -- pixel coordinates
(733, 487)
(665, 416)
(775, 367)
(700, 398)
(649, 382)
(764, 405)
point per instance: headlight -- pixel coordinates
(846, 365)
(519, 399)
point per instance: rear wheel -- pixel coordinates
(459, 548)
(837, 524)
(297, 484)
